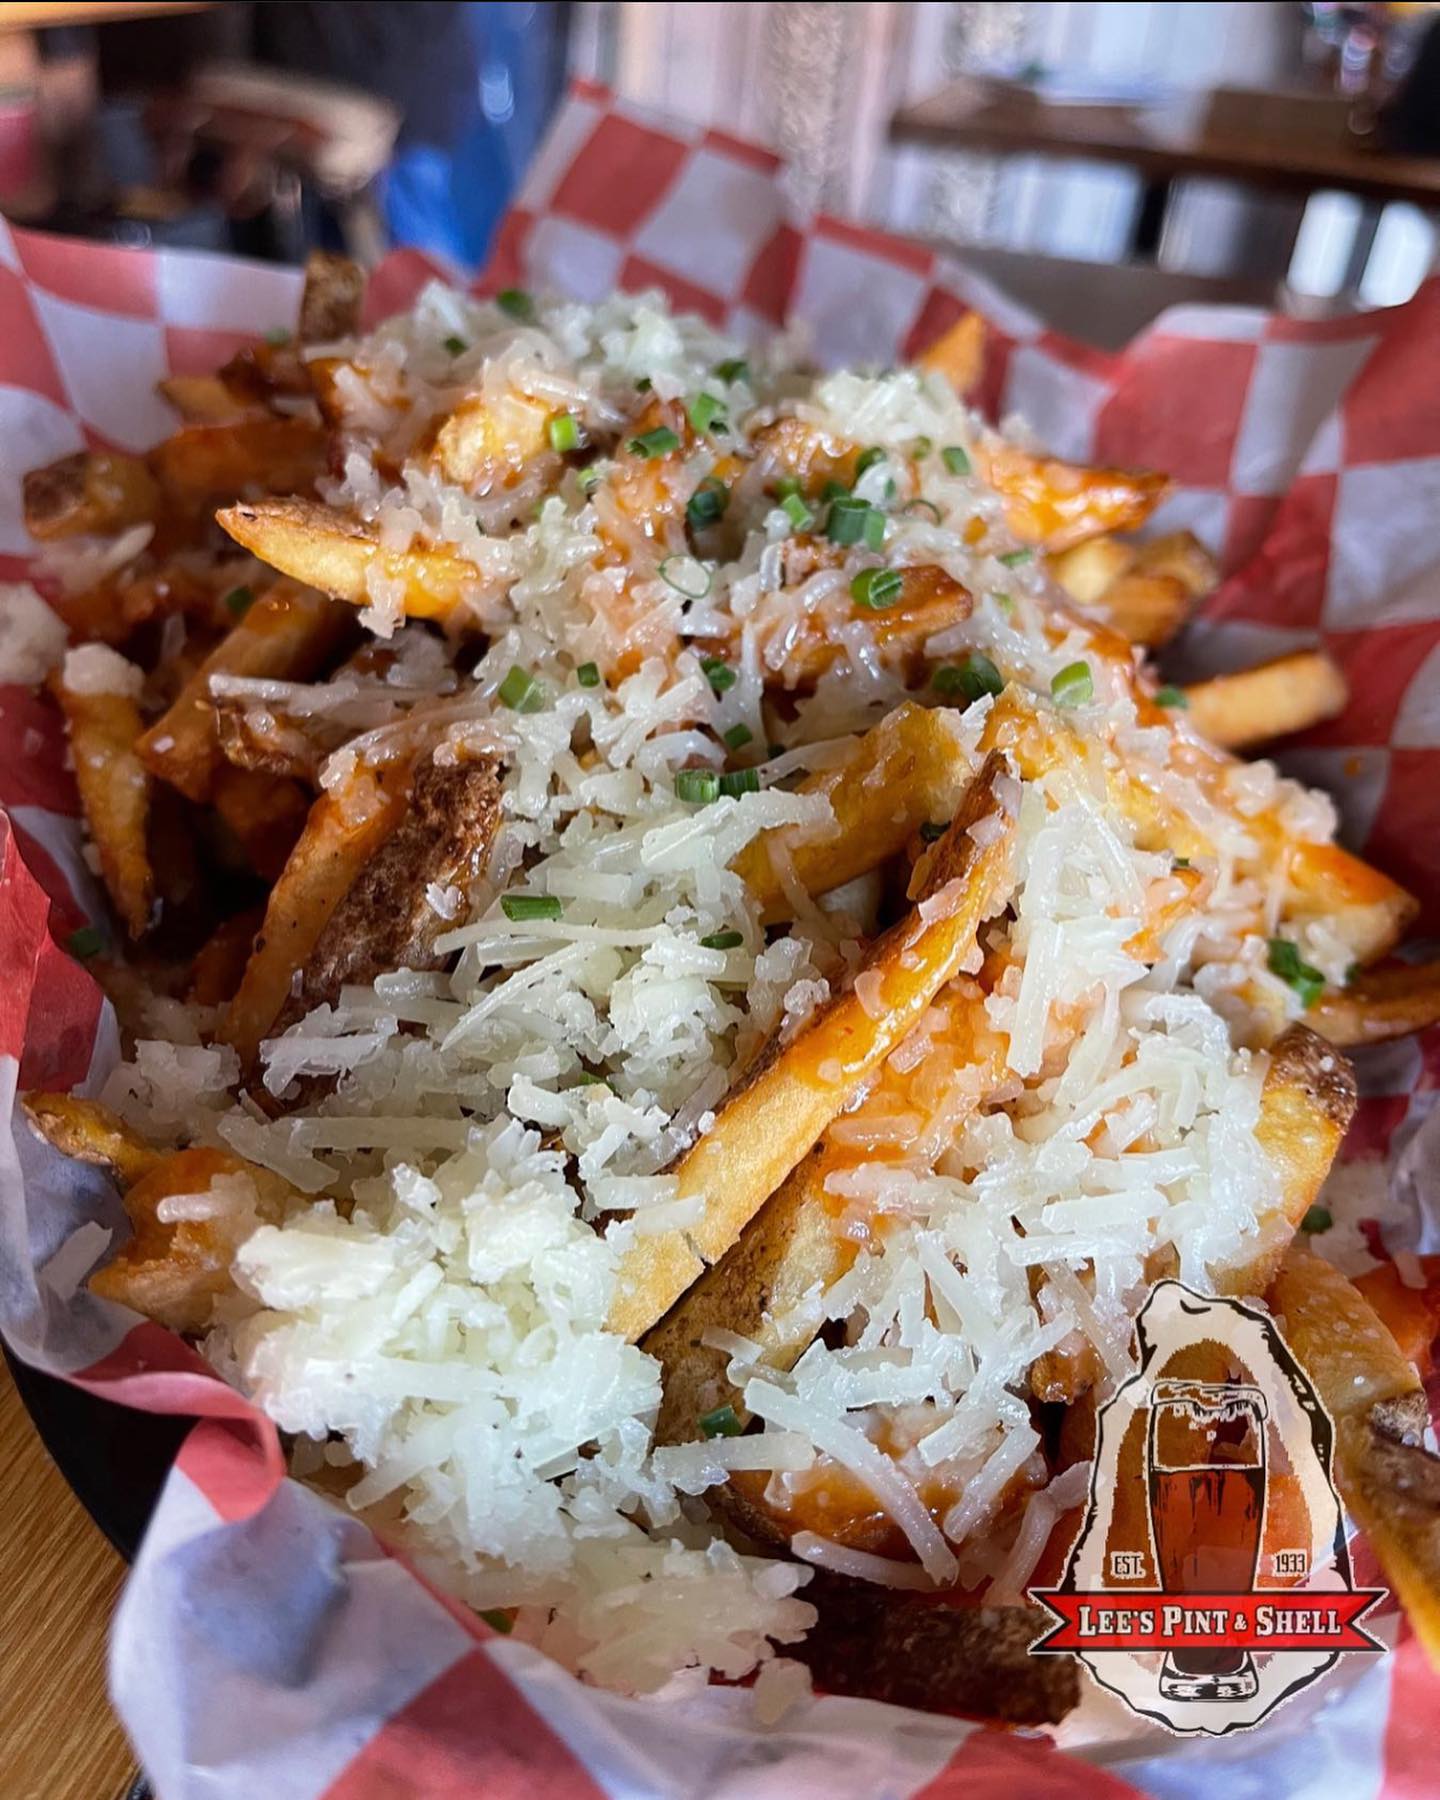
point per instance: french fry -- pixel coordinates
(909, 770)
(219, 966)
(331, 298)
(1379, 1004)
(1389, 1482)
(1273, 699)
(385, 920)
(91, 1133)
(343, 831)
(203, 464)
(958, 353)
(206, 399)
(264, 813)
(488, 441)
(1306, 1106)
(786, 1100)
(335, 553)
(264, 738)
(286, 635)
(92, 493)
(1055, 505)
(1087, 570)
(173, 1271)
(929, 602)
(104, 730)
(1181, 555)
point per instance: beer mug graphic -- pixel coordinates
(1205, 1475)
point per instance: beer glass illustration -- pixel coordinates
(1205, 1468)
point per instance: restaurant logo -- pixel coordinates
(1210, 1580)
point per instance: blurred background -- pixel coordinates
(1100, 160)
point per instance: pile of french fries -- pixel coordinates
(244, 886)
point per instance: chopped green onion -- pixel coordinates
(588, 1078)
(521, 692)
(930, 832)
(522, 907)
(874, 529)
(239, 601)
(1286, 962)
(955, 459)
(704, 411)
(1013, 559)
(720, 1423)
(1180, 862)
(913, 507)
(644, 385)
(798, 513)
(723, 940)
(1074, 685)
(877, 588)
(734, 368)
(718, 673)
(1171, 696)
(834, 490)
(974, 678)
(707, 503)
(854, 521)
(588, 674)
(697, 786)
(650, 444)
(1004, 601)
(277, 336)
(499, 1621)
(738, 736)
(673, 567)
(564, 431)
(516, 302)
(738, 782)
(456, 345)
(786, 486)
(1317, 1218)
(589, 479)
(868, 459)
(922, 447)
(86, 941)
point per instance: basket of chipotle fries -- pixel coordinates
(664, 920)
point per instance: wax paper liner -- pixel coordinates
(266, 1642)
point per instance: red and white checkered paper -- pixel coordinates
(266, 1642)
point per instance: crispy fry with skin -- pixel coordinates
(1055, 505)
(909, 770)
(91, 1133)
(768, 1123)
(1380, 1004)
(1146, 591)
(343, 831)
(385, 920)
(94, 493)
(219, 967)
(105, 731)
(335, 553)
(287, 635)
(331, 298)
(1273, 699)
(1306, 1106)
(958, 353)
(202, 464)
(264, 813)
(1389, 1482)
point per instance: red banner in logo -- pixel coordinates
(1273, 1619)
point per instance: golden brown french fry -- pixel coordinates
(385, 920)
(909, 770)
(203, 464)
(772, 1119)
(91, 1133)
(1147, 609)
(1389, 1482)
(929, 601)
(105, 731)
(1366, 910)
(1087, 570)
(331, 299)
(265, 814)
(219, 965)
(1291, 693)
(344, 829)
(286, 635)
(1179, 554)
(94, 493)
(335, 553)
(1379, 1004)
(1306, 1106)
(1055, 505)
(206, 399)
(958, 353)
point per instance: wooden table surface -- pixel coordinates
(58, 1584)
(1294, 143)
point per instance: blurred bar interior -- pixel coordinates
(1134, 155)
